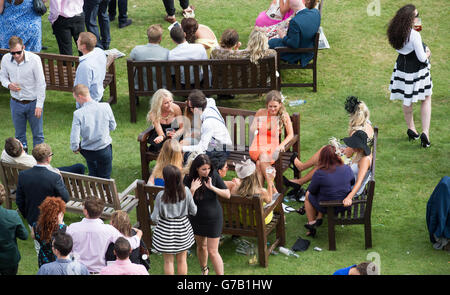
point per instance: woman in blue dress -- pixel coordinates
(18, 18)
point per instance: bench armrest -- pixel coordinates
(271, 206)
(144, 134)
(127, 191)
(110, 61)
(339, 203)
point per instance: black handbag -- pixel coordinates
(39, 7)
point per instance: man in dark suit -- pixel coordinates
(301, 33)
(37, 183)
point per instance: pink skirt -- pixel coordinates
(264, 21)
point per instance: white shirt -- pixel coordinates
(188, 51)
(24, 159)
(213, 129)
(29, 74)
(414, 44)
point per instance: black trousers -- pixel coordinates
(123, 8)
(170, 7)
(65, 29)
(12, 271)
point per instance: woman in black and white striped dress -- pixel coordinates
(411, 80)
(173, 234)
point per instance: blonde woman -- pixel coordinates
(166, 118)
(170, 154)
(266, 126)
(359, 120)
(258, 46)
(249, 185)
(121, 221)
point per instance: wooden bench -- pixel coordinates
(79, 187)
(230, 76)
(59, 71)
(360, 211)
(237, 121)
(237, 212)
(282, 65)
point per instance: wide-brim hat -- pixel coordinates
(358, 140)
(244, 168)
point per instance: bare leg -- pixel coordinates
(311, 212)
(168, 264)
(306, 178)
(202, 250)
(310, 163)
(182, 267)
(425, 113)
(409, 118)
(264, 162)
(214, 255)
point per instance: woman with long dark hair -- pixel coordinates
(411, 80)
(332, 181)
(173, 234)
(206, 186)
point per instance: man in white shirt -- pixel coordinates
(185, 51)
(22, 73)
(214, 135)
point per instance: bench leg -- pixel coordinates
(331, 231)
(368, 234)
(263, 254)
(132, 109)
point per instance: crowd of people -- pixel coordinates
(191, 143)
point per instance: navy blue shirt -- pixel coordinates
(332, 185)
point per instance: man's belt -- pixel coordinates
(23, 101)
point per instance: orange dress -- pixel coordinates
(265, 141)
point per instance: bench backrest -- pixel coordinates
(82, 186)
(231, 76)
(242, 216)
(9, 175)
(146, 195)
(238, 122)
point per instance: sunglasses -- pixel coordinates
(16, 52)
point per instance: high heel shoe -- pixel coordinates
(292, 162)
(312, 230)
(424, 142)
(289, 183)
(412, 135)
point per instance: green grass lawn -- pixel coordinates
(359, 62)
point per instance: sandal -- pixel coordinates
(205, 270)
(170, 19)
(301, 211)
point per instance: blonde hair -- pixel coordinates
(156, 103)
(359, 118)
(121, 221)
(170, 154)
(257, 45)
(249, 186)
(275, 95)
(80, 89)
(154, 33)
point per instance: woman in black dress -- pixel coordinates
(206, 185)
(411, 79)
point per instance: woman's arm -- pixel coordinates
(363, 167)
(284, 6)
(2, 6)
(224, 193)
(151, 180)
(289, 131)
(157, 125)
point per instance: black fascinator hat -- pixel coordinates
(351, 103)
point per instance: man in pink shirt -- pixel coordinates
(67, 19)
(123, 265)
(91, 237)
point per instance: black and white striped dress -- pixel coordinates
(173, 233)
(411, 79)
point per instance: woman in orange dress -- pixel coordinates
(266, 126)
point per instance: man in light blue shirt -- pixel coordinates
(62, 246)
(92, 68)
(151, 51)
(92, 122)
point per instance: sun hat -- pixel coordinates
(359, 140)
(245, 168)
